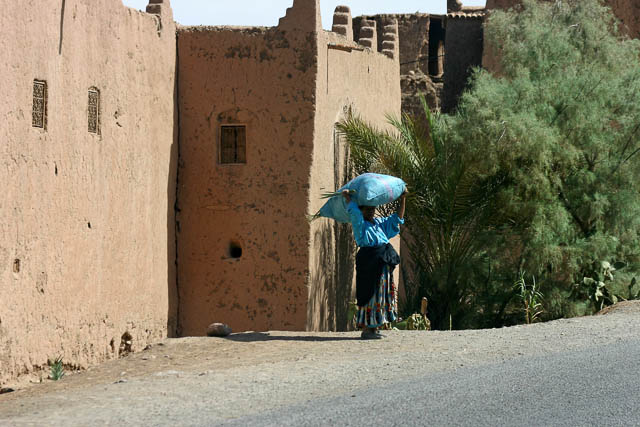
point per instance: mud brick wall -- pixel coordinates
(87, 162)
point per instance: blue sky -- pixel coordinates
(267, 12)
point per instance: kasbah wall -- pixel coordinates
(87, 241)
(247, 253)
(88, 250)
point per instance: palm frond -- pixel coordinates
(447, 207)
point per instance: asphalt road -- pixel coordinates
(595, 387)
(569, 372)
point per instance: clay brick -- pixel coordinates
(341, 18)
(155, 9)
(366, 43)
(389, 37)
(340, 29)
(391, 29)
(388, 45)
(367, 32)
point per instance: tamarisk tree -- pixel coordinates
(559, 123)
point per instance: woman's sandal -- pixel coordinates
(368, 334)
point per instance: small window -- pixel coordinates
(93, 111)
(233, 144)
(39, 115)
(436, 47)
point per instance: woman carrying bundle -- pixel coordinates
(375, 262)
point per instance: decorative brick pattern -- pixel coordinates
(390, 40)
(39, 117)
(93, 111)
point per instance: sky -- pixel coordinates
(267, 12)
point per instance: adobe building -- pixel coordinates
(437, 54)
(258, 108)
(114, 120)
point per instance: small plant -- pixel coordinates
(57, 369)
(597, 282)
(352, 311)
(531, 298)
(417, 322)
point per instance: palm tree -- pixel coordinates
(448, 208)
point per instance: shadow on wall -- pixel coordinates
(332, 281)
(342, 283)
(172, 249)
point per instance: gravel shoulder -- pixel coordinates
(249, 373)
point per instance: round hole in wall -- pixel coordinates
(235, 250)
(126, 344)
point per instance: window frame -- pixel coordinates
(45, 104)
(94, 89)
(220, 131)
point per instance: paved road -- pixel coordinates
(595, 387)
(570, 372)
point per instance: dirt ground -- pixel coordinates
(198, 354)
(297, 362)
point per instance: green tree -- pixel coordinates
(560, 124)
(447, 207)
(536, 171)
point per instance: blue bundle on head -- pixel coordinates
(369, 189)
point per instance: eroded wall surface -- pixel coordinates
(87, 231)
(628, 12)
(367, 83)
(264, 79)
(413, 45)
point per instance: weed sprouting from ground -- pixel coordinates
(57, 369)
(531, 298)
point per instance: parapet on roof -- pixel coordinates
(455, 9)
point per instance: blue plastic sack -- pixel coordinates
(335, 208)
(369, 189)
